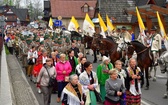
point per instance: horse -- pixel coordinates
(87, 40)
(107, 45)
(163, 63)
(143, 59)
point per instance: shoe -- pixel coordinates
(39, 90)
(58, 100)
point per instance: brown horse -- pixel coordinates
(88, 40)
(143, 58)
(107, 45)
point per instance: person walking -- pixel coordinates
(114, 88)
(89, 82)
(133, 88)
(31, 57)
(80, 67)
(47, 71)
(121, 75)
(102, 74)
(63, 69)
(72, 94)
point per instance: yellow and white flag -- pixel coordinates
(73, 25)
(110, 26)
(50, 24)
(102, 25)
(88, 26)
(141, 26)
(162, 31)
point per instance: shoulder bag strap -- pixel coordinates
(47, 71)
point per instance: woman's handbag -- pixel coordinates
(52, 80)
(98, 96)
(30, 61)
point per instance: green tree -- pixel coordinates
(31, 8)
(35, 9)
(8, 2)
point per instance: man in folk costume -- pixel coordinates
(31, 57)
(116, 35)
(156, 44)
(72, 94)
(125, 37)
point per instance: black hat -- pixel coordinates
(118, 29)
(154, 28)
(124, 28)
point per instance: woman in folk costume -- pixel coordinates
(38, 67)
(73, 60)
(102, 74)
(80, 67)
(44, 56)
(114, 89)
(132, 83)
(38, 64)
(80, 55)
(63, 69)
(72, 94)
(89, 81)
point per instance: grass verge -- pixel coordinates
(6, 50)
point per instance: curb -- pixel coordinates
(6, 89)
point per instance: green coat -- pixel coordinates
(102, 77)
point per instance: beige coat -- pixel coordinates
(156, 43)
(126, 36)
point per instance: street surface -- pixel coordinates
(153, 96)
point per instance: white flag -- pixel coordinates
(88, 26)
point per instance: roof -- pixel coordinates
(142, 3)
(19, 12)
(115, 9)
(69, 8)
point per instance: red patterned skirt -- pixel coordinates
(106, 102)
(132, 100)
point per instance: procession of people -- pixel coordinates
(47, 54)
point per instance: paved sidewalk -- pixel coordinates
(23, 93)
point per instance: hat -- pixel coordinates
(37, 40)
(118, 29)
(79, 38)
(67, 40)
(28, 42)
(105, 58)
(74, 38)
(42, 42)
(154, 28)
(124, 28)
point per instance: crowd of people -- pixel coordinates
(76, 81)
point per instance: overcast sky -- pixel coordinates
(23, 2)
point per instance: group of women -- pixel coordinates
(119, 86)
(80, 86)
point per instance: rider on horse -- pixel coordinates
(155, 44)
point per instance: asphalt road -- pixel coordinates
(153, 96)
